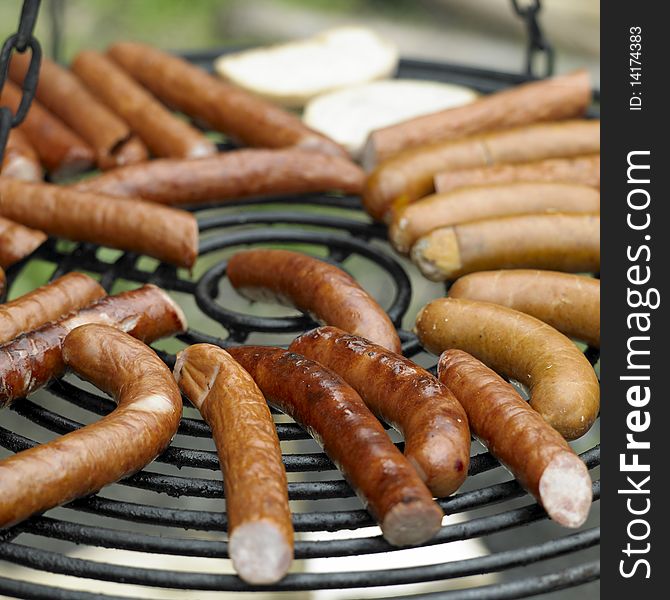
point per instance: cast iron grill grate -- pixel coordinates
(332, 227)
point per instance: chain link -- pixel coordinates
(21, 41)
(537, 42)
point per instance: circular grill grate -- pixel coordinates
(135, 516)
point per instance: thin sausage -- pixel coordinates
(433, 424)
(161, 131)
(168, 234)
(536, 454)
(230, 175)
(17, 242)
(62, 152)
(328, 293)
(487, 202)
(563, 386)
(559, 242)
(260, 532)
(334, 414)
(223, 106)
(20, 160)
(65, 96)
(409, 175)
(570, 303)
(562, 97)
(33, 359)
(83, 461)
(581, 169)
(48, 303)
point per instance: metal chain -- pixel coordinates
(537, 42)
(20, 41)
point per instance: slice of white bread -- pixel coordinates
(291, 74)
(349, 115)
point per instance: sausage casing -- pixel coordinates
(17, 242)
(20, 160)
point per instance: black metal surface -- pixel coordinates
(146, 523)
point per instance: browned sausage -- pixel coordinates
(559, 242)
(161, 131)
(329, 294)
(519, 437)
(31, 360)
(47, 303)
(3, 281)
(20, 160)
(224, 107)
(230, 175)
(409, 175)
(62, 152)
(351, 436)
(435, 428)
(563, 386)
(581, 169)
(65, 96)
(487, 202)
(260, 532)
(570, 303)
(168, 234)
(121, 443)
(561, 97)
(17, 242)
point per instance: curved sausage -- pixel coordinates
(17, 242)
(62, 152)
(168, 234)
(329, 294)
(336, 417)
(570, 303)
(83, 461)
(64, 95)
(559, 242)
(260, 532)
(561, 97)
(584, 170)
(487, 202)
(563, 386)
(33, 359)
(409, 175)
(433, 423)
(47, 303)
(230, 175)
(20, 160)
(536, 454)
(160, 130)
(224, 107)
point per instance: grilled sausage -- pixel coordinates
(224, 107)
(435, 428)
(561, 97)
(121, 443)
(160, 130)
(230, 175)
(31, 360)
(409, 175)
(48, 303)
(487, 202)
(536, 454)
(560, 242)
(20, 160)
(168, 234)
(3, 282)
(62, 152)
(583, 170)
(329, 294)
(17, 242)
(65, 96)
(260, 532)
(563, 386)
(570, 303)
(355, 441)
